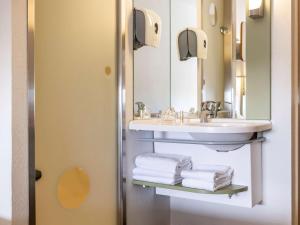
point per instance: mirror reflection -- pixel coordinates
(198, 60)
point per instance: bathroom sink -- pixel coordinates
(231, 125)
(213, 130)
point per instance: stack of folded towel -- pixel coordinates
(161, 168)
(208, 177)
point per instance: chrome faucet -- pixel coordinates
(204, 116)
(141, 111)
(212, 108)
(181, 117)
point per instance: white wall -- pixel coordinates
(19, 115)
(258, 59)
(5, 112)
(214, 65)
(152, 65)
(13, 113)
(240, 16)
(184, 78)
(160, 78)
(276, 208)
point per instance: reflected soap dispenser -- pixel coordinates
(192, 42)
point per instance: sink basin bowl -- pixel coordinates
(227, 130)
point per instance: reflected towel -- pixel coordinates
(160, 180)
(209, 176)
(209, 186)
(163, 162)
(152, 173)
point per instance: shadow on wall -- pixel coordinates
(197, 219)
(4, 222)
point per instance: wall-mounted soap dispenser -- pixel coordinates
(146, 28)
(192, 43)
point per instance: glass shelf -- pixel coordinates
(230, 190)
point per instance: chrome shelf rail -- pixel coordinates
(184, 141)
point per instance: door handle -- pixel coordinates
(38, 175)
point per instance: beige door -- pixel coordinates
(76, 91)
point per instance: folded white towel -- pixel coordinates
(152, 173)
(199, 184)
(209, 176)
(161, 180)
(163, 162)
(220, 169)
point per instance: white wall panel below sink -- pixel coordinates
(246, 162)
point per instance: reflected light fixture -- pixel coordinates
(256, 9)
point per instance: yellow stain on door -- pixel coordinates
(73, 188)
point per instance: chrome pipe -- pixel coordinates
(121, 192)
(183, 141)
(31, 108)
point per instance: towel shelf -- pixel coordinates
(230, 190)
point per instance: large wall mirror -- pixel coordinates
(233, 80)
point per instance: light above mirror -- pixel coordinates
(256, 8)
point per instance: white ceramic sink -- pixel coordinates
(214, 130)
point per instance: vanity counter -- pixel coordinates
(213, 126)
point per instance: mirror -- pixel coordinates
(232, 81)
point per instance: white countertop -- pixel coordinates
(220, 126)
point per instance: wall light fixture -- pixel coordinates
(256, 9)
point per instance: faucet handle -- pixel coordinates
(143, 112)
(140, 105)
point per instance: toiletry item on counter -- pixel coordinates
(169, 114)
(163, 162)
(208, 177)
(161, 168)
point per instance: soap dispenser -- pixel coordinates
(146, 28)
